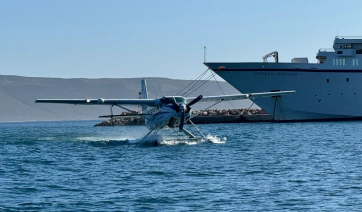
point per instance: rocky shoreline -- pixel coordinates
(205, 117)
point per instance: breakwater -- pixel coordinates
(204, 117)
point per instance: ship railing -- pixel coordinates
(326, 50)
(349, 37)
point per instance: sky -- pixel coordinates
(163, 38)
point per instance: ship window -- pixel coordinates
(344, 61)
(336, 62)
(327, 80)
(340, 62)
(355, 62)
(339, 52)
(347, 79)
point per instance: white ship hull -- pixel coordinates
(321, 94)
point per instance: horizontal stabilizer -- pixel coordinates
(123, 116)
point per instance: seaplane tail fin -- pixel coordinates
(144, 93)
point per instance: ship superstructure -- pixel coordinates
(328, 89)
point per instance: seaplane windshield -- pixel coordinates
(178, 99)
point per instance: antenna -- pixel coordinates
(204, 54)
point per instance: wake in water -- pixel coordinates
(151, 140)
(169, 140)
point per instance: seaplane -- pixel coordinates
(164, 113)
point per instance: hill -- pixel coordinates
(17, 95)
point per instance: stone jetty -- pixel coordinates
(204, 117)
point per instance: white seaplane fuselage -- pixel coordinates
(166, 115)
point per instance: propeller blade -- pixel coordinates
(194, 101)
(182, 120)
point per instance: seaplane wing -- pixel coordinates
(141, 102)
(241, 96)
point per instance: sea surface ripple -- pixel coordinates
(73, 166)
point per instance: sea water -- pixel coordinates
(73, 166)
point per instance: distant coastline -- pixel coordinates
(18, 93)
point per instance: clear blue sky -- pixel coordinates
(162, 38)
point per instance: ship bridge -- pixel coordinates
(344, 47)
(348, 43)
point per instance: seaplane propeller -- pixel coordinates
(186, 109)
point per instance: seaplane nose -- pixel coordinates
(182, 107)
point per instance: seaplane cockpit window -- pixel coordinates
(178, 100)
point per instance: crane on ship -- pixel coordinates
(272, 54)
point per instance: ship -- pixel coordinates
(330, 89)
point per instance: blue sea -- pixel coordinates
(73, 166)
